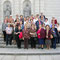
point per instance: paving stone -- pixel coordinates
(21, 57)
(46, 57)
(7, 57)
(56, 57)
(1, 57)
(33, 57)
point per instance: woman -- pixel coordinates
(58, 28)
(55, 34)
(22, 25)
(48, 36)
(26, 36)
(41, 36)
(17, 23)
(33, 36)
(14, 40)
(4, 25)
(39, 22)
(35, 19)
(9, 34)
(17, 17)
(43, 26)
(31, 22)
(17, 32)
(27, 24)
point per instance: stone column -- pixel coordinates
(16, 7)
(1, 15)
(36, 7)
(41, 6)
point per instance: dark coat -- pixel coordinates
(42, 33)
(49, 34)
(37, 24)
(56, 31)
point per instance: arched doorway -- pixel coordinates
(27, 8)
(7, 9)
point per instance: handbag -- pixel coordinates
(54, 35)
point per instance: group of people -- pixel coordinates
(34, 29)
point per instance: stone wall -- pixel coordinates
(49, 7)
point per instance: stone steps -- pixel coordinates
(15, 51)
(22, 46)
(3, 44)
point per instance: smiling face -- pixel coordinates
(21, 16)
(46, 19)
(24, 19)
(53, 26)
(8, 25)
(21, 22)
(17, 20)
(47, 27)
(17, 16)
(6, 17)
(19, 27)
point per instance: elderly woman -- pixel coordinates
(39, 22)
(48, 36)
(22, 25)
(27, 24)
(17, 23)
(33, 36)
(17, 32)
(26, 36)
(4, 25)
(58, 28)
(41, 36)
(55, 35)
(9, 34)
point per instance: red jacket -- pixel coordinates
(20, 35)
(42, 33)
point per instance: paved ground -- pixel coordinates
(30, 54)
(13, 53)
(29, 57)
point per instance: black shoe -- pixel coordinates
(41, 48)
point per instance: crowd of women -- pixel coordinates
(34, 29)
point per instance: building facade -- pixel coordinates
(50, 8)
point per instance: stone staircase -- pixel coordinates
(3, 44)
(13, 50)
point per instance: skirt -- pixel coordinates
(48, 42)
(41, 41)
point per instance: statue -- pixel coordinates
(7, 9)
(27, 8)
